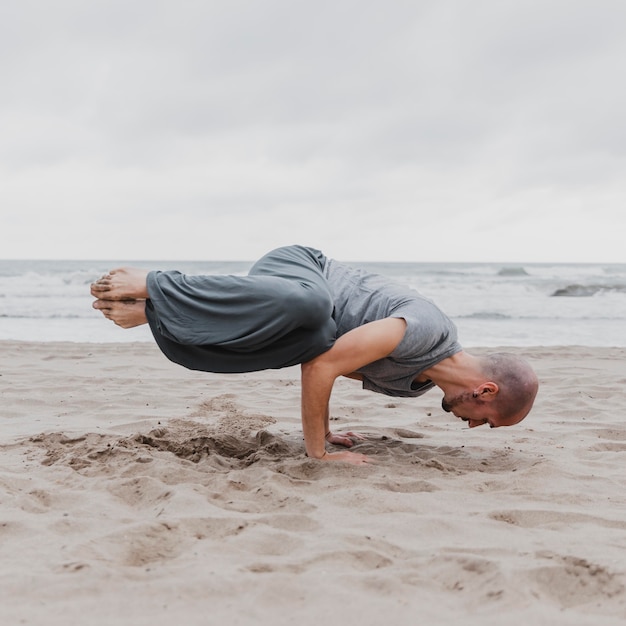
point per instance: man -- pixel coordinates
(296, 306)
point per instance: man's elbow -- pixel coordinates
(319, 367)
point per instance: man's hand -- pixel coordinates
(356, 348)
(354, 458)
(344, 439)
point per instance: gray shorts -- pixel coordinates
(279, 315)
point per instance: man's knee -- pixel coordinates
(311, 304)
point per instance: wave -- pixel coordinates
(485, 315)
(513, 271)
(585, 291)
(52, 316)
(492, 316)
(33, 295)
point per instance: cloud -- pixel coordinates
(404, 130)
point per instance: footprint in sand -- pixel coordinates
(573, 581)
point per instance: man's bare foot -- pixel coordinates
(124, 313)
(125, 283)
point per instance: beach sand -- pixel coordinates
(133, 491)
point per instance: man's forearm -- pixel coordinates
(317, 385)
(351, 351)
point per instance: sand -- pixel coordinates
(135, 492)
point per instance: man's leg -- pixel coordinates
(284, 291)
(279, 315)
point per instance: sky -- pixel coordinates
(382, 130)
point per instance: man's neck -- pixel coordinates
(456, 372)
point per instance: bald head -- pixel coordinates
(517, 384)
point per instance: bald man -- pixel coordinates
(297, 306)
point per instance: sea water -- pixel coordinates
(492, 304)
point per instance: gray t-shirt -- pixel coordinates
(361, 297)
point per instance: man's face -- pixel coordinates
(469, 407)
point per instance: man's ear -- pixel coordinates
(487, 391)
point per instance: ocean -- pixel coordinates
(492, 304)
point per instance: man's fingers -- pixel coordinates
(358, 436)
(354, 458)
(340, 439)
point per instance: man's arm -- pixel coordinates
(357, 348)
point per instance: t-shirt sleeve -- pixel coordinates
(427, 334)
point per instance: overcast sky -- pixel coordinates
(411, 130)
